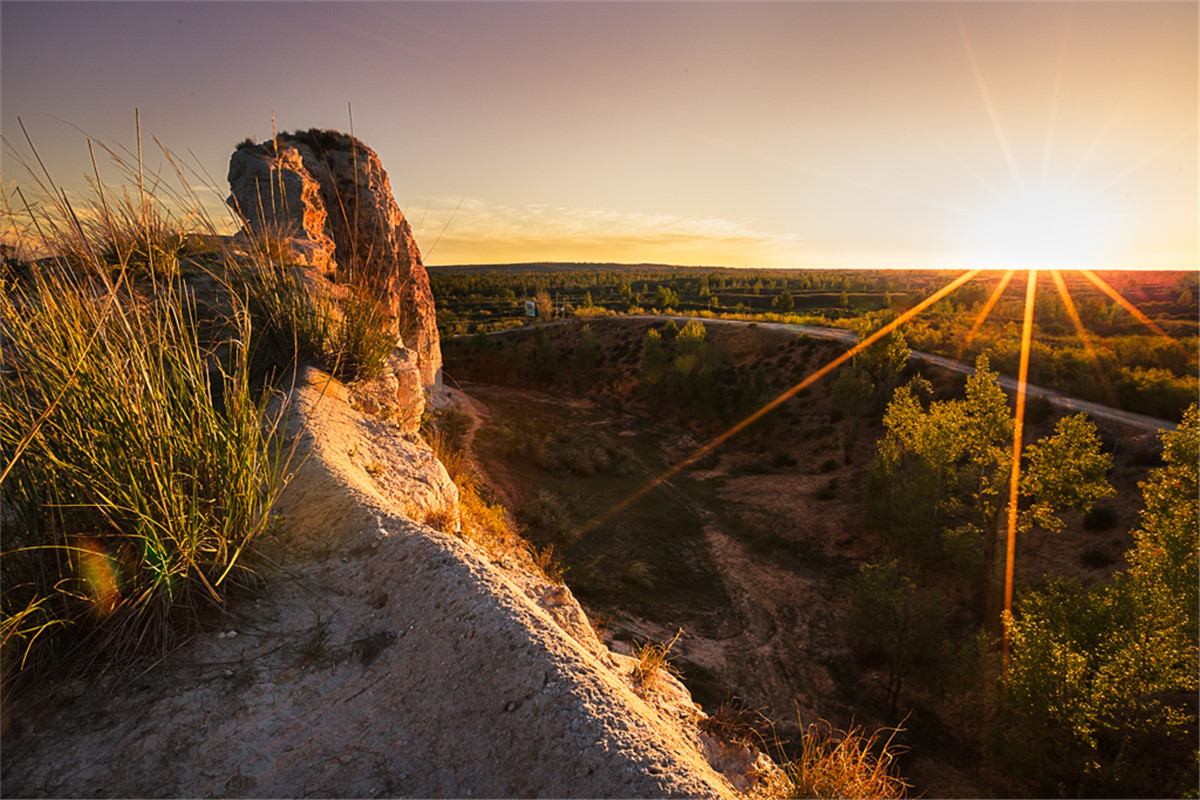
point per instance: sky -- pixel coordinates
(778, 134)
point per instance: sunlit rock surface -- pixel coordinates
(329, 194)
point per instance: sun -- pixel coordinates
(1040, 230)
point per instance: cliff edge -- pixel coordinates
(381, 658)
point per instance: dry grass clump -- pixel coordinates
(735, 723)
(487, 525)
(844, 764)
(653, 662)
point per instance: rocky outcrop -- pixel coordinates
(330, 196)
(276, 196)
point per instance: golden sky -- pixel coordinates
(763, 134)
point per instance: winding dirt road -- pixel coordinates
(1139, 422)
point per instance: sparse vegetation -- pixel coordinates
(845, 764)
(653, 662)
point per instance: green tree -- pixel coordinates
(883, 362)
(1102, 681)
(665, 297)
(690, 341)
(940, 480)
(851, 398)
(694, 381)
(586, 360)
(1166, 545)
(893, 625)
(654, 359)
(784, 301)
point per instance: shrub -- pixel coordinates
(549, 513)
(893, 624)
(829, 491)
(640, 574)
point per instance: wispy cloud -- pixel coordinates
(482, 232)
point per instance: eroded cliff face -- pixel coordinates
(328, 195)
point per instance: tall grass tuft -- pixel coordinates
(136, 471)
(292, 321)
(144, 243)
(846, 764)
(350, 334)
(363, 336)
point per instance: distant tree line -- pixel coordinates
(1122, 363)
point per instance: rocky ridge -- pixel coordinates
(382, 657)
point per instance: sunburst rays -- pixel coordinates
(1026, 352)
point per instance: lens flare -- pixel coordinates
(96, 569)
(778, 401)
(986, 310)
(1014, 484)
(1069, 304)
(1120, 299)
